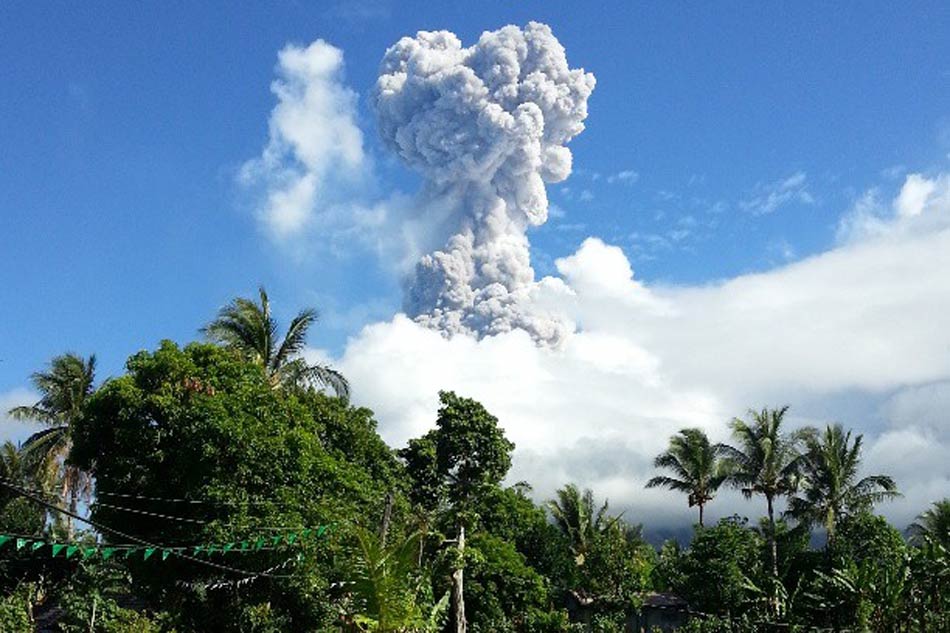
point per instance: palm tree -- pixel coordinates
(933, 524)
(17, 513)
(64, 388)
(766, 462)
(830, 489)
(696, 467)
(249, 328)
(573, 512)
(11, 470)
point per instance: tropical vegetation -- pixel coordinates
(233, 487)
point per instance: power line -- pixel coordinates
(168, 517)
(103, 528)
(122, 495)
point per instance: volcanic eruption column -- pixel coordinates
(486, 126)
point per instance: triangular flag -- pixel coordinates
(4, 538)
(260, 543)
(89, 551)
(321, 530)
(130, 552)
(227, 548)
(291, 538)
(243, 546)
(22, 542)
(199, 549)
(212, 549)
(57, 548)
(165, 553)
(72, 549)
(107, 552)
(306, 533)
(35, 546)
(148, 552)
(275, 539)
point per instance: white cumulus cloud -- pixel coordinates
(314, 140)
(862, 321)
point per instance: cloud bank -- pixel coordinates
(590, 371)
(856, 334)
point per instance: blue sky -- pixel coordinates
(723, 139)
(121, 127)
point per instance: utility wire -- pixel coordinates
(121, 495)
(103, 528)
(169, 517)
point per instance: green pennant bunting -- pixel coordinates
(107, 552)
(243, 546)
(260, 543)
(212, 549)
(166, 553)
(275, 539)
(72, 549)
(148, 552)
(88, 551)
(321, 530)
(4, 538)
(198, 549)
(130, 552)
(57, 548)
(22, 542)
(227, 548)
(291, 538)
(306, 533)
(35, 546)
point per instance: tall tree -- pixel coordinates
(251, 329)
(463, 458)
(697, 469)
(765, 462)
(830, 488)
(574, 514)
(933, 524)
(64, 389)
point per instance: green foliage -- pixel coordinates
(504, 592)
(17, 514)
(832, 489)
(472, 452)
(249, 329)
(64, 391)
(16, 608)
(722, 568)
(388, 590)
(617, 569)
(574, 514)
(89, 602)
(257, 446)
(200, 423)
(933, 524)
(510, 514)
(698, 471)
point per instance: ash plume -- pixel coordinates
(486, 126)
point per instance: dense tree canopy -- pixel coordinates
(229, 477)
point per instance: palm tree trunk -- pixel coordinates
(70, 495)
(458, 580)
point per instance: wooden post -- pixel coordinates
(387, 517)
(458, 581)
